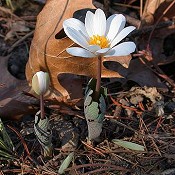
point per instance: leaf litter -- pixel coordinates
(141, 105)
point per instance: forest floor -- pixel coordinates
(140, 107)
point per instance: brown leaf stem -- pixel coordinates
(42, 107)
(98, 84)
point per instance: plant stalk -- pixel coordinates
(98, 83)
(42, 107)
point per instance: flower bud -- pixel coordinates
(40, 82)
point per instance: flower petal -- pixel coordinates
(122, 35)
(80, 52)
(93, 48)
(117, 24)
(77, 25)
(122, 49)
(89, 23)
(76, 36)
(99, 23)
(108, 22)
(40, 82)
(102, 51)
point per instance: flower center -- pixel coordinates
(101, 41)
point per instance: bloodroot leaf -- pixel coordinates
(66, 163)
(94, 111)
(43, 134)
(129, 145)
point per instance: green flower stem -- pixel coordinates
(42, 107)
(98, 83)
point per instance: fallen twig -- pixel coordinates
(19, 41)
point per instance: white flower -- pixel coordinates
(99, 36)
(40, 82)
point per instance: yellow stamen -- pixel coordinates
(101, 41)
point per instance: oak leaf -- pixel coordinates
(48, 48)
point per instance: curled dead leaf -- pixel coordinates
(153, 9)
(13, 103)
(49, 54)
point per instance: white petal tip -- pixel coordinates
(80, 52)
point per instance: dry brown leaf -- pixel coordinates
(48, 53)
(153, 9)
(158, 45)
(140, 74)
(149, 10)
(170, 14)
(13, 103)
